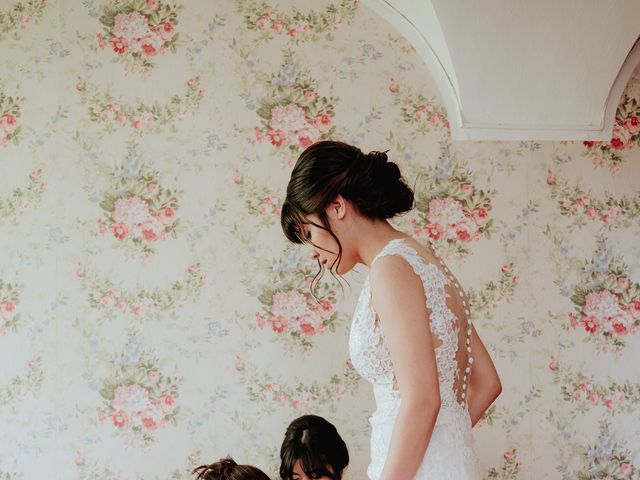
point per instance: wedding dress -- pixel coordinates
(450, 454)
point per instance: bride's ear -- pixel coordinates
(338, 208)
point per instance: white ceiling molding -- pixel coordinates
(521, 70)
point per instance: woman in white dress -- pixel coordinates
(411, 335)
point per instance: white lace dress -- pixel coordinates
(450, 454)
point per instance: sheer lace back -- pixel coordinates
(448, 318)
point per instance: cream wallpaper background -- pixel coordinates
(152, 316)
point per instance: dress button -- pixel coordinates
(468, 369)
(460, 293)
(471, 360)
(469, 332)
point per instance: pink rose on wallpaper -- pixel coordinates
(101, 42)
(445, 211)
(166, 30)
(132, 210)
(149, 423)
(131, 398)
(591, 213)
(480, 215)
(151, 45)
(289, 304)
(277, 137)
(119, 44)
(626, 469)
(450, 216)
(8, 122)
(611, 215)
(7, 310)
(632, 124)
(322, 122)
(119, 230)
(602, 304)
(278, 324)
(130, 26)
(621, 138)
(168, 403)
(167, 215)
(308, 136)
(591, 324)
(290, 118)
(551, 178)
(433, 230)
(119, 419)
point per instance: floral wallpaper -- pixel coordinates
(152, 315)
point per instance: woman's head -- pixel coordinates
(329, 174)
(228, 469)
(312, 448)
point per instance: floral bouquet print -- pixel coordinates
(453, 212)
(22, 199)
(9, 299)
(138, 212)
(263, 18)
(141, 303)
(293, 113)
(272, 393)
(626, 136)
(607, 302)
(584, 393)
(292, 314)
(138, 399)
(138, 30)
(582, 207)
(140, 117)
(606, 459)
(426, 114)
(19, 16)
(9, 115)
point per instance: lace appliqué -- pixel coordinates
(450, 454)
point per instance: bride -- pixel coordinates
(411, 335)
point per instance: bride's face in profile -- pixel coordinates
(298, 473)
(324, 246)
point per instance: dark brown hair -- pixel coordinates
(327, 169)
(228, 469)
(316, 444)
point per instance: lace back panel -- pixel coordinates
(449, 320)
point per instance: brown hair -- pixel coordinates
(228, 469)
(317, 445)
(327, 169)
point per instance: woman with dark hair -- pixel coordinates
(411, 335)
(312, 448)
(228, 469)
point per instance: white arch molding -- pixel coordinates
(427, 24)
